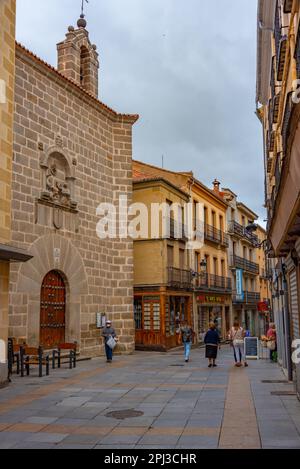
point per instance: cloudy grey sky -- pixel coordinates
(186, 66)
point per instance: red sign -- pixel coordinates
(263, 307)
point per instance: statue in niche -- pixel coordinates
(58, 190)
(58, 185)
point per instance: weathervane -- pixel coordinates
(82, 6)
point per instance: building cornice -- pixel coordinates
(247, 210)
(159, 181)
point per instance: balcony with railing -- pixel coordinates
(241, 263)
(265, 274)
(216, 236)
(271, 140)
(235, 228)
(277, 173)
(286, 121)
(281, 42)
(249, 298)
(180, 278)
(216, 283)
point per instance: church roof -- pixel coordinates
(131, 118)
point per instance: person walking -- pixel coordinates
(187, 335)
(272, 341)
(236, 336)
(212, 343)
(107, 333)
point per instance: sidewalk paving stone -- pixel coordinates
(185, 406)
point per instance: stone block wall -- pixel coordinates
(54, 117)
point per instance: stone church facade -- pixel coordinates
(71, 153)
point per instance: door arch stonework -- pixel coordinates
(53, 253)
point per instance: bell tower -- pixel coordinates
(78, 58)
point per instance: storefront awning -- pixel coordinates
(12, 254)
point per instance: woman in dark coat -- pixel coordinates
(212, 341)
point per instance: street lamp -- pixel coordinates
(203, 268)
(252, 228)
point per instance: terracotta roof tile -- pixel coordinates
(132, 117)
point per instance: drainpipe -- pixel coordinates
(287, 321)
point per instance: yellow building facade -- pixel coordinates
(205, 266)
(213, 286)
(163, 296)
(243, 263)
(264, 307)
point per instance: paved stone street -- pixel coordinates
(182, 405)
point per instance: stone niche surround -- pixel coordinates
(56, 207)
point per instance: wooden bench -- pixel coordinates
(34, 356)
(72, 348)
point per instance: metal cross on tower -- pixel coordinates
(82, 6)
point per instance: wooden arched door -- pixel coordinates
(53, 310)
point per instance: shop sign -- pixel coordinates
(240, 295)
(151, 298)
(212, 299)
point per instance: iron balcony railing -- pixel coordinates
(215, 236)
(271, 140)
(241, 263)
(286, 121)
(249, 298)
(240, 230)
(273, 81)
(281, 57)
(271, 119)
(180, 278)
(213, 282)
(280, 44)
(277, 173)
(265, 274)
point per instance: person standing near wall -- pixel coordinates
(272, 341)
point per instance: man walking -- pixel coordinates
(107, 333)
(187, 334)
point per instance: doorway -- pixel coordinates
(53, 310)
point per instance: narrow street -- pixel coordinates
(180, 405)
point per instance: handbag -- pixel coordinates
(111, 343)
(271, 344)
(237, 342)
